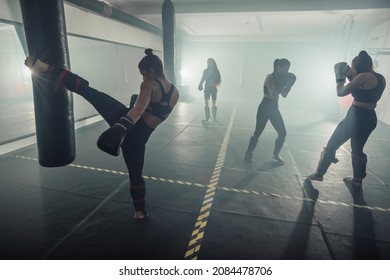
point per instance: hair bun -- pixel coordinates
(363, 54)
(149, 52)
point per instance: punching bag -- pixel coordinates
(168, 25)
(45, 30)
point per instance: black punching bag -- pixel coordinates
(44, 25)
(168, 25)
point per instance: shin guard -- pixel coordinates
(326, 159)
(278, 145)
(214, 109)
(207, 113)
(359, 166)
(137, 192)
(251, 147)
(71, 81)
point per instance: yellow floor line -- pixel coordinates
(195, 242)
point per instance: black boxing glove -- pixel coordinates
(289, 81)
(110, 141)
(133, 99)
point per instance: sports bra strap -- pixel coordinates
(162, 87)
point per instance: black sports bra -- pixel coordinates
(161, 109)
(370, 95)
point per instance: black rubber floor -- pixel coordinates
(205, 201)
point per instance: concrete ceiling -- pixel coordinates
(264, 20)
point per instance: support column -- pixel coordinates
(45, 30)
(20, 32)
(168, 25)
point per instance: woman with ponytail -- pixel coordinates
(278, 82)
(366, 87)
(130, 128)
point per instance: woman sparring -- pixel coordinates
(366, 86)
(279, 82)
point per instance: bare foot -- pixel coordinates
(140, 215)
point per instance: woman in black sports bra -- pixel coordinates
(366, 87)
(130, 128)
(278, 82)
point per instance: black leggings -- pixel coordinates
(269, 110)
(357, 126)
(133, 146)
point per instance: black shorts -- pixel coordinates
(212, 94)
